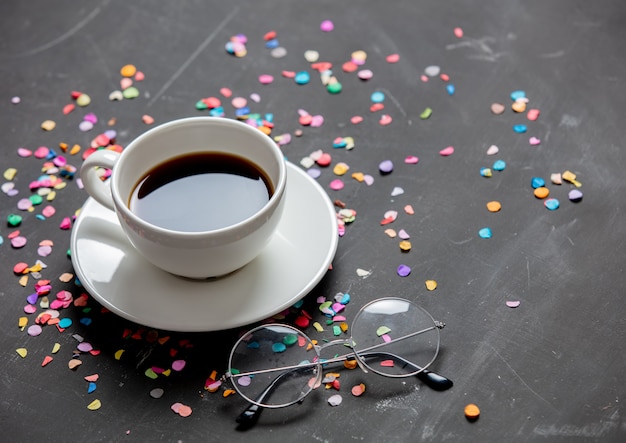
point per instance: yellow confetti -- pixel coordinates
(431, 285)
(318, 327)
(358, 176)
(22, 352)
(340, 168)
(56, 348)
(10, 173)
(22, 322)
(349, 142)
(167, 372)
(405, 245)
(75, 150)
(350, 364)
(48, 125)
(51, 196)
(343, 326)
(228, 393)
(23, 281)
(118, 354)
(94, 405)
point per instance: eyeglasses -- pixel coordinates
(277, 365)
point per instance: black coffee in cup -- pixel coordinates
(201, 191)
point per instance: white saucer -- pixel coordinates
(292, 264)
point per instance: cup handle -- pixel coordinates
(99, 190)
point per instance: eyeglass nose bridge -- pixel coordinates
(349, 343)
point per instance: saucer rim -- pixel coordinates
(285, 302)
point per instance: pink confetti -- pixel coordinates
(385, 119)
(458, 32)
(266, 79)
(178, 365)
(48, 211)
(327, 26)
(23, 152)
(534, 141)
(393, 58)
(365, 74)
(41, 152)
(18, 242)
(411, 160)
(44, 251)
(387, 363)
(447, 151)
(317, 121)
(513, 304)
(533, 114)
(66, 223)
(30, 309)
(336, 184)
(356, 119)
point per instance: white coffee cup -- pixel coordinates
(192, 254)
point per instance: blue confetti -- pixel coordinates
(517, 95)
(551, 204)
(377, 97)
(537, 182)
(485, 233)
(450, 88)
(499, 165)
(520, 129)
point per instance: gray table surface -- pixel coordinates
(551, 369)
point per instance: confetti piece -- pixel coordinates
(83, 100)
(397, 191)
(411, 160)
(499, 165)
(485, 233)
(178, 365)
(551, 204)
(447, 151)
(405, 245)
(128, 70)
(94, 405)
(335, 400)
(541, 192)
(148, 120)
(458, 32)
(382, 330)
(157, 393)
(520, 129)
(513, 304)
(385, 167)
(403, 270)
(431, 285)
(494, 206)
(533, 114)
(359, 389)
(385, 120)
(74, 363)
(327, 26)
(22, 352)
(575, 195)
(534, 141)
(471, 412)
(336, 185)
(363, 272)
(387, 363)
(492, 150)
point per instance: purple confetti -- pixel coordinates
(403, 270)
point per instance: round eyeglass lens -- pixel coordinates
(274, 366)
(395, 337)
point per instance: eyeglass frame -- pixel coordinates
(251, 414)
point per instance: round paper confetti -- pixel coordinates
(403, 270)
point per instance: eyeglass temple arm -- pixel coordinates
(250, 415)
(431, 379)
